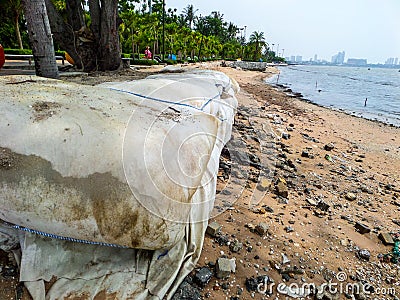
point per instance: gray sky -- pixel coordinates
(362, 28)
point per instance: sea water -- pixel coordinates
(347, 88)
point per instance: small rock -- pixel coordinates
(187, 291)
(203, 276)
(262, 228)
(386, 238)
(329, 147)
(289, 229)
(361, 228)
(282, 190)
(323, 206)
(363, 254)
(250, 226)
(213, 229)
(286, 277)
(224, 267)
(285, 259)
(236, 246)
(268, 208)
(312, 202)
(351, 196)
(253, 284)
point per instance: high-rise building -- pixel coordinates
(299, 58)
(315, 58)
(338, 58)
(391, 61)
(293, 58)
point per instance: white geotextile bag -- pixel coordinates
(85, 170)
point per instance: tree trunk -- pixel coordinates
(95, 15)
(92, 49)
(17, 31)
(41, 38)
(109, 56)
(63, 34)
(75, 14)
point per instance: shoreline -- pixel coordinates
(376, 117)
(312, 219)
(297, 95)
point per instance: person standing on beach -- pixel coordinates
(147, 53)
(365, 103)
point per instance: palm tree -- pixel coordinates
(258, 40)
(190, 14)
(41, 38)
(232, 30)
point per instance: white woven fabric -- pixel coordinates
(132, 164)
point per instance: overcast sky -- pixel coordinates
(362, 28)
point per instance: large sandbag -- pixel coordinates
(128, 164)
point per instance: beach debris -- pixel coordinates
(361, 228)
(203, 276)
(397, 222)
(187, 291)
(323, 206)
(235, 246)
(363, 254)
(350, 196)
(386, 238)
(285, 259)
(306, 154)
(289, 229)
(224, 267)
(213, 229)
(258, 284)
(328, 158)
(251, 227)
(281, 188)
(262, 228)
(329, 147)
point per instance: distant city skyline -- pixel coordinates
(365, 29)
(340, 58)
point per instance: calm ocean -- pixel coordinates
(346, 88)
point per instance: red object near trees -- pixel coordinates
(2, 57)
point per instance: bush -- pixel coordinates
(18, 51)
(171, 62)
(145, 62)
(28, 52)
(60, 53)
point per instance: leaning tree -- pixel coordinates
(92, 47)
(40, 38)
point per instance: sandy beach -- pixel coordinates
(307, 206)
(339, 170)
